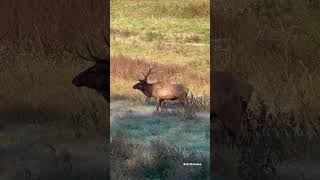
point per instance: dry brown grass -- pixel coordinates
(126, 67)
(275, 48)
(38, 102)
(35, 91)
(125, 71)
(49, 27)
(37, 39)
(275, 45)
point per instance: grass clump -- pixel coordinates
(160, 161)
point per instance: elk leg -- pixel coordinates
(184, 101)
(180, 101)
(161, 105)
(158, 106)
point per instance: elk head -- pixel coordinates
(143, 84)
(97, 76)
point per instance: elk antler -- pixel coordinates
(92, 51)
(150, 71)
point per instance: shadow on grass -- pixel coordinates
(45, 161)
(24, 113)
(40, 143)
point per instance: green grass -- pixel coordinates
(165, 8)
(165, 32)
(162, 16)
(166, 25)
(175, 35)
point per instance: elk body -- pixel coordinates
(161, 91)
(97, 76)
(231, 95)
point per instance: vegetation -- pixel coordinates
(165, 33)
(163, 161)
(49, 129)
(174, 36)
(275, 45)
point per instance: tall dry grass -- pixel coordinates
(49, 27)
(37, 62)
(128, 68)
(39, 105)
(125, 71)
(275, 44)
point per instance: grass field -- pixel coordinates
(48, 128)
(173, 35)
(275, 45)
(52, 130)
(157, 32)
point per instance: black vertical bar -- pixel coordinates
(107, 21)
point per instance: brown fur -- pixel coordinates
(231, 95)
(162, 91)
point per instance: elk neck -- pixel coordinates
(147, 90)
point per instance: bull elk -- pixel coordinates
(161, 91)
(231, 95)
(97, 76)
